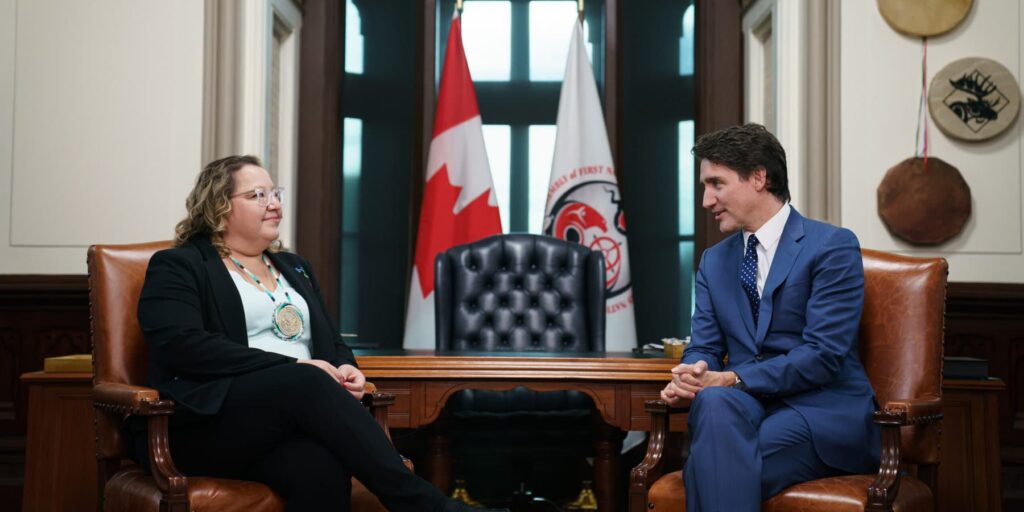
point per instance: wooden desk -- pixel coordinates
(422, 382)
(618, 383)
(60, 452)
(60, 468)
(970, 477)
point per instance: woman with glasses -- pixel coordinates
(239, 337)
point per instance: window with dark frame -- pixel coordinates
(656, 168)
(517, 51)
(518, 95)
(379, 137)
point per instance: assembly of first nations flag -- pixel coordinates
(583, 200)
(459, 206)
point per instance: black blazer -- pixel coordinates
(191, 315)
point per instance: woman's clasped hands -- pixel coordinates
(347, 375)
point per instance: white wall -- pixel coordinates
(775, 34)
(880, 86)
(100, 125)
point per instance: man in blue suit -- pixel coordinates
(779, 395)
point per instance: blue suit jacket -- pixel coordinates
(803, 350)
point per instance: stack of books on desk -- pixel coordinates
(964, 368)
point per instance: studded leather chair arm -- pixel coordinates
(651, 468)
(128, 399)
(895, 415)
(378, 403)
(125, 399)
(916, 411)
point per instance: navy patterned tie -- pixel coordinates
(748, 276)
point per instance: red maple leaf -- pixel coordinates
(441, 228)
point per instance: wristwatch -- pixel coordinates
(739, 383)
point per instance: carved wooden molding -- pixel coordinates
(36, 292)
(436, 395)
(423, 364)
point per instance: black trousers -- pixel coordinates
(300, 432)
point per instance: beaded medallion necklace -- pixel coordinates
(287, 320)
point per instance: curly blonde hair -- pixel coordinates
(209, 203)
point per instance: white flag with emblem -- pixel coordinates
(583, 200)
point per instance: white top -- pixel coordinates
(259, 318)
(767, 242)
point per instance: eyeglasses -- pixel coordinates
(263, 196)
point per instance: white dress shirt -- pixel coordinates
(768, 241)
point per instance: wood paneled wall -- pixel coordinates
(40, 316)
(986, 320)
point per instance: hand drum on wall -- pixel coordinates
(974, 99)
(924, 205)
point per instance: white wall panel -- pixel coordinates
(7, 10)
(881, 77)
(100, 121)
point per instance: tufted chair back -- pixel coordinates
(519, 293)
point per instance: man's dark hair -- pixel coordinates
(744, 149)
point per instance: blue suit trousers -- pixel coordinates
(745, 450)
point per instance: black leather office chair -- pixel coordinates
(520, 293)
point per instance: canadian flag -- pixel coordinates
(583, 200)
(459, 205)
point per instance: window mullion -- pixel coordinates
(520, 71)
(519, 193)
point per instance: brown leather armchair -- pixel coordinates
(116, 274)
(901, 335)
